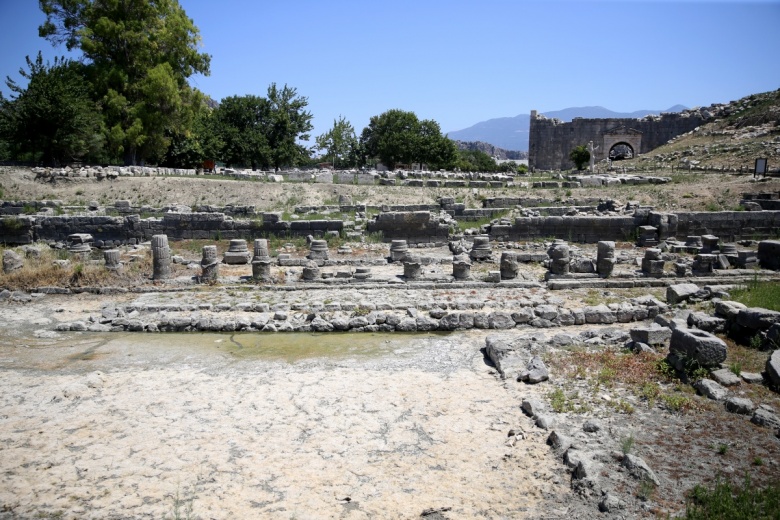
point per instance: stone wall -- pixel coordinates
(729, 226)
(414, 227)
(533, 202)
(551, 140)
(590, 229)
(19, 207)
(132, 228)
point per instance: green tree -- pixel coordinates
(392, 136)
(197, 144)
(580, 155)
(141, 53)
(290, 123)
(433, 148)
(241, 124)
(339, 143)
(54, 119)
(398, 137)
(475, 161)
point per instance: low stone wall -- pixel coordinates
(177, 226)
(102, 172)
(729, 226)
(20, 207)
(534, 202)
(259, 317)
(414, 227)
(588, 229)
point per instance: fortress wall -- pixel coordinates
(551, 140)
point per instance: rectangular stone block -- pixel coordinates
(651, 335)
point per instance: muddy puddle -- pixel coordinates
(99, 351)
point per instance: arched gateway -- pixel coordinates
(621, 143)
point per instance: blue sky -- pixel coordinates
(461, 62)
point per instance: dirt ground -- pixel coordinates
(116, 425)
(687, 192)
(121, 426)
(308, 426)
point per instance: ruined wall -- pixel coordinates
(414, 227)
(589, 229)
(729, 226)
(551, 140)
(132, 229)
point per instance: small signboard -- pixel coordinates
(760, 167)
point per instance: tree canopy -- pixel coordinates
(475, 161)
(262, 132)
(339, 143)
(398, 137)
(140, 54)
(241, 123)
(53, 120)
(290, 123)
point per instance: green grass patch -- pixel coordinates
(759, 294)
(467, 224)
(560, 402)
(730, 501)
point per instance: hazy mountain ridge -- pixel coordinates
(511, 133)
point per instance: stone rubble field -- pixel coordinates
(469, 376)
(102, 425)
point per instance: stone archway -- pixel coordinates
(621, 151)
(621, 140)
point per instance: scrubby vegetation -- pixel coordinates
(728, 501)
(759, 294)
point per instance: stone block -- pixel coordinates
(653, 267)
(756, 318)
(680, 292)
(726, 377)
(740, 405)
(765, 416)
(652, 335)
(769, 254)
(600, 314)
(773, 369)
(639, 469)
(535, 372)
(711, 389)
(699, 346)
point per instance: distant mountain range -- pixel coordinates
(511, 133)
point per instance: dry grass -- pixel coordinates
(645, 375)
(608, 367)
(42, 271)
